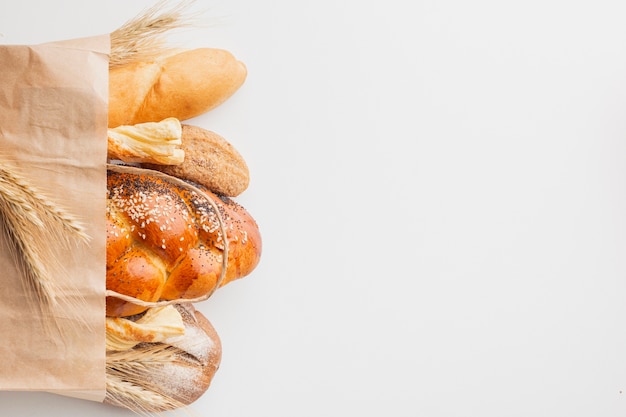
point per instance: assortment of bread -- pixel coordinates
(175, 234)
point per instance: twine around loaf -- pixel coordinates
(220, 220)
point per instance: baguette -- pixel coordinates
(184, 84)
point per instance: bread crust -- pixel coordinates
(210, 161)
(182, 85)
(175, 233)
(207, 352)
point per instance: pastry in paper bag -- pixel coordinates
(117, 215)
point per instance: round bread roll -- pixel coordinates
(183, 85)
(169, 374)
(164, 241)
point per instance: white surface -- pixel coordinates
(442, 195)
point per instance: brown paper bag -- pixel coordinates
(53, 126)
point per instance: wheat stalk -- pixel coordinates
(126, 394)
(127, 381)
(141, 38)
(38, 231)
(40, 209)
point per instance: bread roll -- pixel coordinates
(155, 377)
(182, 85)
(210, 161)
(164, 241)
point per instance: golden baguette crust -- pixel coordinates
(164, 242)
(182, 85)
(210, 161)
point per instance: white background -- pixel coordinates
(441, 190)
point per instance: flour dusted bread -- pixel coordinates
(164, 240)
(183, 85)
(169, 374)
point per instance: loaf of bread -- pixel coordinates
(164, 240)
(183, 151)
(169, 374)
(184, 84)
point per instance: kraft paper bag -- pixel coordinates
(53, 126)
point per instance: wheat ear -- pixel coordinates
(127, 384)
(38, 231)
(141, 38)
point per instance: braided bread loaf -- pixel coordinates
(164, 240)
